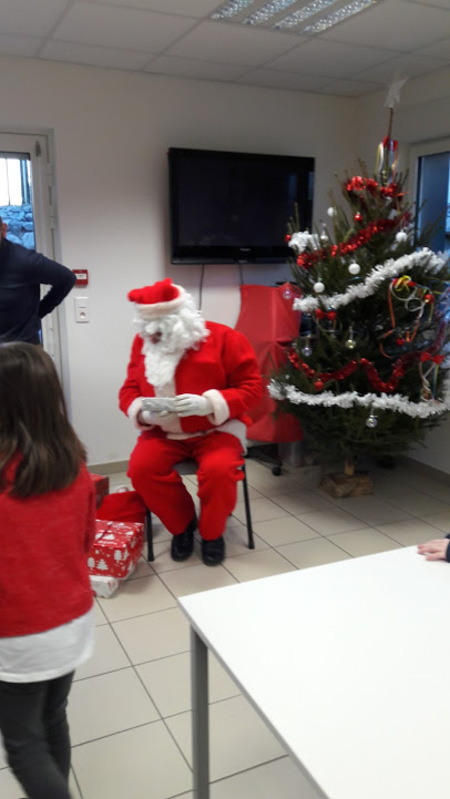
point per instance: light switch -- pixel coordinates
(82, 309)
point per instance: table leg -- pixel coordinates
(200, 725)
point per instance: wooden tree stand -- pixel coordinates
(347, 483)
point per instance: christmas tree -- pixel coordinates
(367, 373)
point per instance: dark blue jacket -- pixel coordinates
(22, 272)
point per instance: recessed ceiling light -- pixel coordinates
(267, 11)
(337, 16)
(301, 10)
(231, 8)
(303, 13)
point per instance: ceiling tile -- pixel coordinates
(394, 38)
(438, 50)
(94, 56)
(428, 3)
(127, 28)
(25, 46)
(437, 89)
(30, 19)
(282, 80)
(194, 8)
(233, 44)
(330, 58)
(406, 66)
(393, 24)
(350, 88)
(193, 68)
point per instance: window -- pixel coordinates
(431, 166)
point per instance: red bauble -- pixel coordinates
(318, 385)
(400, 342)
(358, 217)
(287, 237)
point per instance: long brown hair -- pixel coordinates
(34, 426)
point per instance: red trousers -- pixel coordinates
(152, 473)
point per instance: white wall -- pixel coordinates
(111, 130)
(422, 116)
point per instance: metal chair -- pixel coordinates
(189, 467)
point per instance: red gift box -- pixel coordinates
(101, 485)
(116, 549)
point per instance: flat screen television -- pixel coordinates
(228, 207)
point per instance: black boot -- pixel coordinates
(213, 552)
(183, 544)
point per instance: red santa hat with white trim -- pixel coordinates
(160, 299)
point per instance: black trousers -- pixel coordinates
(33, 722)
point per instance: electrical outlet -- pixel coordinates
(82, 311)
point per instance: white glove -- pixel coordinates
(192, 405)
(146, 417)
(151, 417)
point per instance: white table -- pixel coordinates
(348, 664)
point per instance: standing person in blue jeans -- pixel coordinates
(47, 511)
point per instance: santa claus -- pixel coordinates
(188, 387)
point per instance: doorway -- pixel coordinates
(27, 206)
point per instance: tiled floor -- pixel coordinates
(130, 705)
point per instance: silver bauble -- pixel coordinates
(371, 421)
(354, 268)
(319, 287)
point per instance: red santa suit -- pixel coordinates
(220, 367)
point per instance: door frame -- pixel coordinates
(39, 147)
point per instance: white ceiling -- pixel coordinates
(391, 39)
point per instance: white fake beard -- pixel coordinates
(179, 332)
(160, 365)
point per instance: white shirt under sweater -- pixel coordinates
(47, 655)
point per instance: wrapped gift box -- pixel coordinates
(101, 485)
(116, 549)
(104, 587)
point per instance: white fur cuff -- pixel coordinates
(133, 411)
(221, 411)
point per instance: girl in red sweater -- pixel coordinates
(47, 511)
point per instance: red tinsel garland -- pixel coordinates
(398, 370)
(306, 260)
(354, 185)
(357, 184)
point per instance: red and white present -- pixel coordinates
(104, 587)
(101, 485)
(116, 549)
